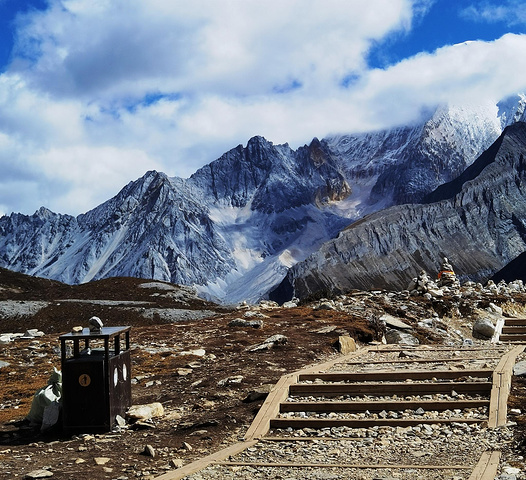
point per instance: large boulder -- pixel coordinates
(345, 344)
(483, 329)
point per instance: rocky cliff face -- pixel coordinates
(477, 221)
(235, 227)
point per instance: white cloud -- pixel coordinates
(468, 72)
(511, 12)
(243, 47)
(101, 91)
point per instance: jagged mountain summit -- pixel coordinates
(235, 227)
(477, 220)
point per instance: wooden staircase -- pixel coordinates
(440, 386)
(393, 387)
(513, 331)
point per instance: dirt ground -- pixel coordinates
(204, 395)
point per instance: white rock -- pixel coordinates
(176, 462)
(483, 328)
(38, 474)
(290, 304)
(200, 352)
(494, 309)
(145, 412)
(394, 322)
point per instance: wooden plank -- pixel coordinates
(270, 408)
(427, 360)
(514, 330)
(309, 439)
(204, 462)
(436, 348)
(501, 387)
(390, 375)
(400, 388)
(298, 423)
(515, 321)
(330, 363)
(512, 338)
(378, 406)
(486, 468)
(360, 466)
(505, 386)
(494, 404)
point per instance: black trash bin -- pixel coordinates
(96, 383)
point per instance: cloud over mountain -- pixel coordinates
(98, 92)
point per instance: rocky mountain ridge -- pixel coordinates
(477, 221)
(235, 227)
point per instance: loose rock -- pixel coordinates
(269, 343)
(346, 345)
(393, 336)
(35, 474)
(483, 328)
(259, 393)
(240, 322)
(145, 412)
(149, 451)
(520, 369)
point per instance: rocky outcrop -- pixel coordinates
(477, 223)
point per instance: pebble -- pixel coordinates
(149, 451)
(176, 462)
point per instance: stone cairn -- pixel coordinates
(426, 286)
(421, 284)
(446, 275)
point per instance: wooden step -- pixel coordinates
(514, 330)
(400, 388)
(392, 375)
(515, 322)
(360, 466)
(298, 423)
(427, 360)
(378, 406)
(512, 338)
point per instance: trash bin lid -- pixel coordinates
(106, 332)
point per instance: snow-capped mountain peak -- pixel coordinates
(235, 227)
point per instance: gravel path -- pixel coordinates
(334, 453)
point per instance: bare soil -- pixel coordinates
(204, 397)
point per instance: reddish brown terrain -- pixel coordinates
(205, 396)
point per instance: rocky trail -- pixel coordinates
(368, 416)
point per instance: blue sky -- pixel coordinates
(93, 93)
